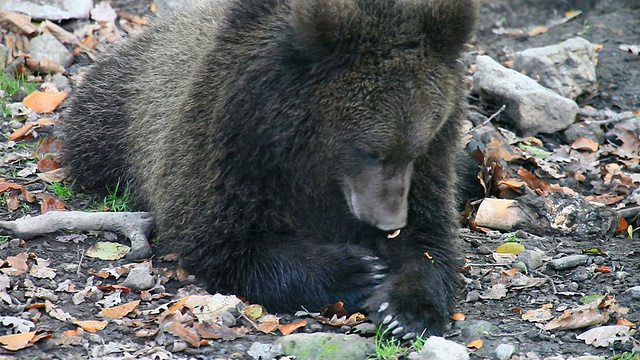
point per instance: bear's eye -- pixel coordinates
(368, 156)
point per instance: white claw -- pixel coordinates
(409, 336)
(378, 276)
(383, 306)
(379, 268)
(387, 319)
(370, 258)
(393, 324)
(397, 331)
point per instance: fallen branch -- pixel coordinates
(136, 226)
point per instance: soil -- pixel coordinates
(606, 22)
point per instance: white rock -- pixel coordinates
(568, 68)
(50, 9)
(533, 108)
(437, 348)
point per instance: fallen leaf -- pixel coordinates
(120, 311)
(22, 131)
(44, 102)
(268, 324)
(538, 315)
(187, 334)
(458, 316)
(107, 250)
(603, 336)
(287, 329)
(92, 325)
(475, 344)
(510, 248)
(17, 341)
(585, 144)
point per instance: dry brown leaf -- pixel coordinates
(625, 322)
(178, 305)
(475, 344)
(537, 31)
(287, 329)
(18, 265)
(17, 341)
(186, 334)
(268, 324)
(60, 33)
(120, 311)
(538, 315)
(585, 144)
(458, 316)
(215, 331)
(92, 325)
(22, 131)
(44, 102)
(40, 269)
(335, 309)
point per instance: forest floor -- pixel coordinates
(72, 288)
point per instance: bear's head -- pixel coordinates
(389, 79)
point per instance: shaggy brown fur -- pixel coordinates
(279, 141)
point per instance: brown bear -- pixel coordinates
(280, 142)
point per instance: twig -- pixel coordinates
(81, 252)
(494, 115)
(616, 118)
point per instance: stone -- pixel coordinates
(532, 108)
(568, 262)
(50, 9)
(531, 258)
(504, 351)
(437, 348)
(47, 45)
(568, 68)
(326, 346)
(139, 278)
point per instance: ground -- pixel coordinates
(609, 23)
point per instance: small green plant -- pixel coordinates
(117, 200)
(390, 348)
(514, 238)
(62, 191)
(625, 356)
(589, 298)
(585, 28)
(630, 231)
(4, 239)
(10, 85)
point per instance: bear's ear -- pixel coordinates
(323, 28)
(447, 25)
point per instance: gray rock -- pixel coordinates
(47, 45)
(139, 278)
(264, 351)
(326, 346)
(474, 329)
(533, 108)
(580, 274)
(50, 9)
(568, 68)
(568, 262)
(504, 351)
(582, 130)
(531, 258)
(437, 348)
(473, 296)
(62, 82)
(634, 292)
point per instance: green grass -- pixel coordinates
(117, 199)
(9, 85)
(391, 348)
(4, 239)
(62, 191)
(589, 298)
(625, 356)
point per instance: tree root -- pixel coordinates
(136, 226)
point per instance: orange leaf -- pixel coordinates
(622, 226)
(179, 304)
(625, 322)
(603, 269)
(44, 102)
(50, 203)
(17, 341)
(22, 131)
(458, 316)
(120, 311)
(287, 329)
(92, 325)
(268, 325)
(475, 344)
(187, 334)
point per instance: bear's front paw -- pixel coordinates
(405, 318)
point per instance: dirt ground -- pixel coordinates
(606, 22)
